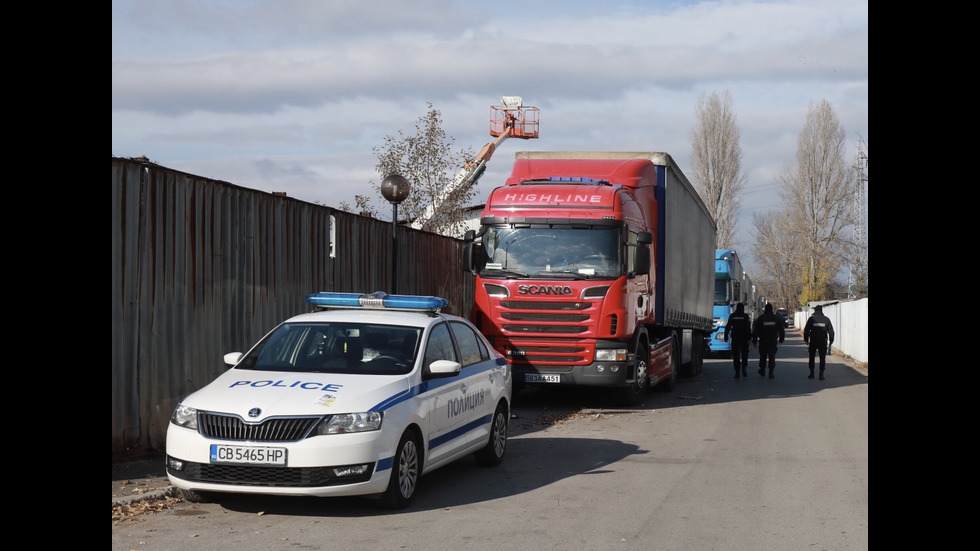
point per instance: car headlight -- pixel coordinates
(184, 416)
(344, 423)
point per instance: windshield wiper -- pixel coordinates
(502, 272)
(565, 274)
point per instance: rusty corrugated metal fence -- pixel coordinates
(202, 267)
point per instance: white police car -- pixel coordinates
(362, 396)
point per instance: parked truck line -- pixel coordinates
(732, 285)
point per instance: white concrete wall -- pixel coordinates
(850, 319)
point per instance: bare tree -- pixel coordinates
(776, 253)
(819, 193)
(716, 155)
(427, 160)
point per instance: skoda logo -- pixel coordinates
(254, 412)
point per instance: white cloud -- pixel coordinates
(292, 95)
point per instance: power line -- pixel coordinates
(758, 188)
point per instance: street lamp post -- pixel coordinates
(394, 188)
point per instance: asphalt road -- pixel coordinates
(717, 464)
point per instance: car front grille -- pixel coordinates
(277, 429)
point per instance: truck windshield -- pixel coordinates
(722, 296)
(552, 252)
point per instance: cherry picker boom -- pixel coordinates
(511, 119)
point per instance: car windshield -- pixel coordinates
(336, 348)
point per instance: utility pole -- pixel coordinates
(862, 162)
(860, 236)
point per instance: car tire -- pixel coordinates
(493, 453)
(405, 472)
(195, 496)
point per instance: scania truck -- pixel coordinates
(595, 269)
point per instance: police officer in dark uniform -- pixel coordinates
(738, 331)
(818, 333)
(766, 331)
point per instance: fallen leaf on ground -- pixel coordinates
(121, 513)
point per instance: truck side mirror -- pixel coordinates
(641, 261)
(469, 244)
(467, 261)
(641, 258)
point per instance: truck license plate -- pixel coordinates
(541, 378)
(252, 455)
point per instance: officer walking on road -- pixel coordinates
(766, 331)
(818, 334)
(738, 331)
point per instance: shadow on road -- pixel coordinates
(463, 482)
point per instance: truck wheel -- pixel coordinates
(698, 357)
(687, 369)
(634, 393)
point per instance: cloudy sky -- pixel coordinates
(293, 95)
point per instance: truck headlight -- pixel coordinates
(610, 355)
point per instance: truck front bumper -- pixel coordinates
(598, 374)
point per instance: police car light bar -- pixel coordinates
(377, 300)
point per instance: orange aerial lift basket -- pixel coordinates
(513, 120)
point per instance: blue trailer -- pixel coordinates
(732, 285)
